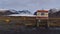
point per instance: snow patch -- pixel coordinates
(21, 15)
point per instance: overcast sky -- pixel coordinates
(31, 5)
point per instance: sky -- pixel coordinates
(31, 5)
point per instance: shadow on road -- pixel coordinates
(29, 30)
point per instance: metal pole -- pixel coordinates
(47, 23)
(38, 22)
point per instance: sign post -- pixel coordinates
(41, 15)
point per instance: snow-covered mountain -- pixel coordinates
(14, 11)
(55, 13)
(53, 10)
(4, 12)
(7, 12)
(23, 13)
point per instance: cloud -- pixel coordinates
(31, 5)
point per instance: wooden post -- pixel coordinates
(48, 23)
(38, 21)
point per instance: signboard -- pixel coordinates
(42, 13)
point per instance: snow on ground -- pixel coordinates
(22, 15)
